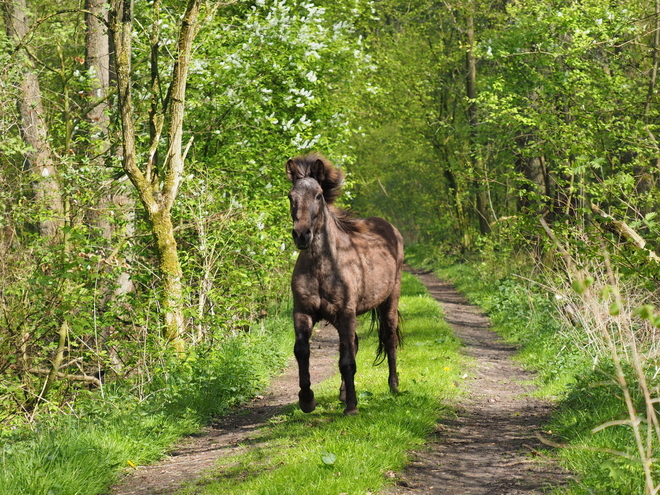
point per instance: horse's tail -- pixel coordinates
(383, 336)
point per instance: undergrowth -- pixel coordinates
(325, 452)
(130, 422)
(590, 421)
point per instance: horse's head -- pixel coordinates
(315, 183)
(306, 199)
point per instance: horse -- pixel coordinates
(346, 267)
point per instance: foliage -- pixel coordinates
(566, 119)
(269, 79)
(125, 426)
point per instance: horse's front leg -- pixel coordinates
(347, 350)
(303, 325)
(342, 388)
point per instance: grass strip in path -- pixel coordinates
(327, 453)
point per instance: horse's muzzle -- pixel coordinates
(302, 239)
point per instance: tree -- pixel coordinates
(38, 160)
(471, 92)
(158, 183)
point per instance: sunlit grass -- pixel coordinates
(83, 453)
(587, 395)
(325, 452)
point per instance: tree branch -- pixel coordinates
(626, 231)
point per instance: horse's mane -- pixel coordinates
(346, 222)
(318, 167)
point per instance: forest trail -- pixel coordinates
(490, 447)
(228, 435)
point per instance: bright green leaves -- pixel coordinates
(648, 312)
(581, 285)
(615, 308)
(328, 458)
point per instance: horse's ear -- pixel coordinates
(317, 171)
(291, 170)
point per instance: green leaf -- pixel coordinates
(578, 286)
(328, 458)
(615, 308)
(645, 312)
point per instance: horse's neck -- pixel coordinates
(325, 241)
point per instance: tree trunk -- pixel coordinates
(113, 197)
(97, 59)
(39, 160)
(172, 276)
(158, 188)
(534, 170)
(471, 90)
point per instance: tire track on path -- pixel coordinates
(490, 447)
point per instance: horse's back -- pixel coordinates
(391, 238)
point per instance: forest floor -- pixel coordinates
(226, 437)
(489, 447)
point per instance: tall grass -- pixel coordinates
(84, 452)
(592, 340)
(325, 452)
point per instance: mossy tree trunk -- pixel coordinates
(157, 184)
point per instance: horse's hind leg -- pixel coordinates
(303, 325)
(389, 335)
(342, 388)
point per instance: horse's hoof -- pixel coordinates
(307, 407)
(351, 411)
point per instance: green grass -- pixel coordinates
(84, 452)
(325, 452)
(586, 396)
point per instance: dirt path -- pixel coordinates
(490, 447)
(484, 450)
(223, 438)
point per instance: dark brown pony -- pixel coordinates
(346, 267)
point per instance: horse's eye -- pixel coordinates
(319, 196)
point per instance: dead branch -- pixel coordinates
(92, 380)
(626, 231)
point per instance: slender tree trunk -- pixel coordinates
(158, 188)
(114, 197)
(97, 59)
(534, 170)
(471, 90)
(38, 161)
